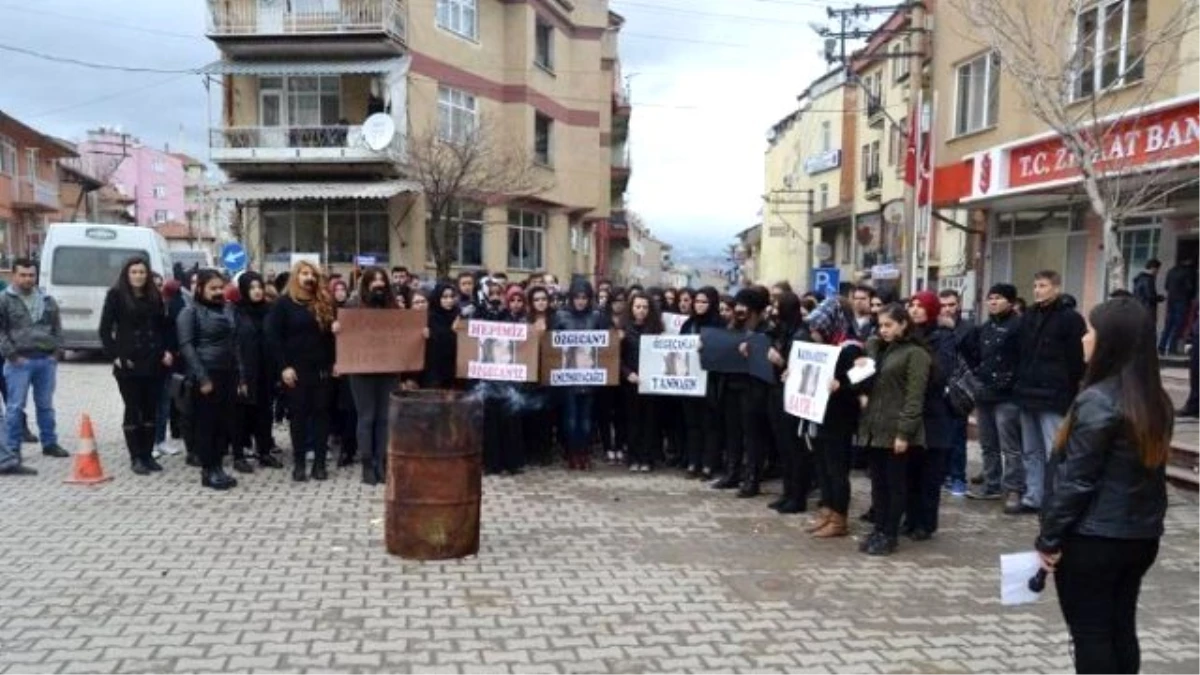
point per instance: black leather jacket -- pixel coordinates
(1097, 485)
(208, 341)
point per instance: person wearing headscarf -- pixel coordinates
(441, 347)
(702, 416)
(744, 401)
(787, 328)
(255, 392)
(343, 420)
(299, 336)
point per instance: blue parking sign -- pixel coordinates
(826, 281)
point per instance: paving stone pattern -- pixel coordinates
(603, 572)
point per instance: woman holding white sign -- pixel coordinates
(579, 314)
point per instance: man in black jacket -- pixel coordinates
(1048, 377)
(994, 353)
(1144, 288)
(1181, 291)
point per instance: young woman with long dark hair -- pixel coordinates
(794, 455)
(208, 343)
(641, 319)
(1102, 517)
(257, 387)
(702, 416)
(133, 330)
(892, 424)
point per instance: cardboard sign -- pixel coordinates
(722, 354)
(810, 370)
(581, 358)
(673, 323)
(669, 365)
(497, 351)
(381, 341)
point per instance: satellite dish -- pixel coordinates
(894, 212)
(378, 131)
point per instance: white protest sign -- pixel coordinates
(669, 365)
(810, 370)
(579, 362)
(498, 356)
(673, 323)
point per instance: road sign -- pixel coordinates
(233, 257)
(825, 280)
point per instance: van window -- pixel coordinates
(79, 266)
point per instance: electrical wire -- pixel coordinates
(94, 65)
(106, 97)
(105, 22)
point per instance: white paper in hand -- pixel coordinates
(859, 373)
(1015, 571)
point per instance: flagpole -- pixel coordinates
(916, 203)
(929, 203)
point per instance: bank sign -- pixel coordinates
(1169, 133)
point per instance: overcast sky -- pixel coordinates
(709, 77)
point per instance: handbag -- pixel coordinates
(962, 389)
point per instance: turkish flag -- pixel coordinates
(917, 175)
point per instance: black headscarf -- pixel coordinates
(254, 309)
(710, 319)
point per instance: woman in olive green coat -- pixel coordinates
(892, 422)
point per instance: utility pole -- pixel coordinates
(804, 198)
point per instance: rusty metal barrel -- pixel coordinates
(435, 475)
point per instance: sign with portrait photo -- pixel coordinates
(673, 323)
(497, 351)
(810, 370)
(581, 358)
(380, 341)
(669, 365)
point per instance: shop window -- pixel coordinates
(373, 236)
(1138, 246)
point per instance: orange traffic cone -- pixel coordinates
(87, 469)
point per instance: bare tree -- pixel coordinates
(1086, 75)
(477, 166)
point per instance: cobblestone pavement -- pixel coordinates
(604, 572)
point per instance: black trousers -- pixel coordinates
(140, 395)
(645, 437)
(834, 472)
(603, 415)
(714, 428)
(889, 488)
(538, 427)
(746, 426)
(694, 412)
(1098, 582)
(256, 418)
(213, 418)
(503, 441)
(795, 461)
(926, 471)
(308, 407)
(672, 430)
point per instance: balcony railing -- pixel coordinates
(38, 194)
(874, 182)
(874, 109)
(620, 158)
(291, 144)
(234, 18)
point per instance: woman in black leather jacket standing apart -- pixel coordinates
(1106, 498)
(208, 343)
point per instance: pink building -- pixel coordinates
(152, 178)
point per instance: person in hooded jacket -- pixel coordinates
(641, 411)
(747, 422)
(371, 392)
(258, 382)
(343, 418)
(441, 347)
(702, 415)
(927, 465)
(299, 336)
(794, 455)
(578, 314)
(133, 325)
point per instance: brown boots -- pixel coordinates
(834, 527)
(818, 521)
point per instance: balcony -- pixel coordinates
(35, 195)
(620, 169)
(874, 184)
(875, 114)
(618, 227)
(303, 27)
(300, 145)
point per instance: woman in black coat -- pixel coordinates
(794, 455)
(702, 415)
(441, 348)
(257, 387)
(133, 326)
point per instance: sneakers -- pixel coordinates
(985, 495)
(639, 468)
(168, 448)
(610, 457)
(958, 488)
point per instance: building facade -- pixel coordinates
(152, 178)
(30, 187)
(323, 106)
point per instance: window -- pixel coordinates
(866, 160)
(459, 17)
(978, 97)
(1109, 44)
(543, 139)
(299, 101)
(900, 62)
(161, 216)
(31, 163)
(823, 197)
(826, 136)
(544, 37)
(156, 165)
(81, 266)
(160, 191)
(8, 157)
(457, 116)
(337, 230)
(896, 141)
(526, 232)
(870, 156)
(467, 223)
(1138, 246)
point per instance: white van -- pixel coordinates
(81, 261)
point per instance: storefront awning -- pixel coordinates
(291, 191)
(325, 67)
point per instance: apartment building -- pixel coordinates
(612, 234)
(152, 178)
(324, 101)
(1001, 171)
(29, 187)
(641, 260)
